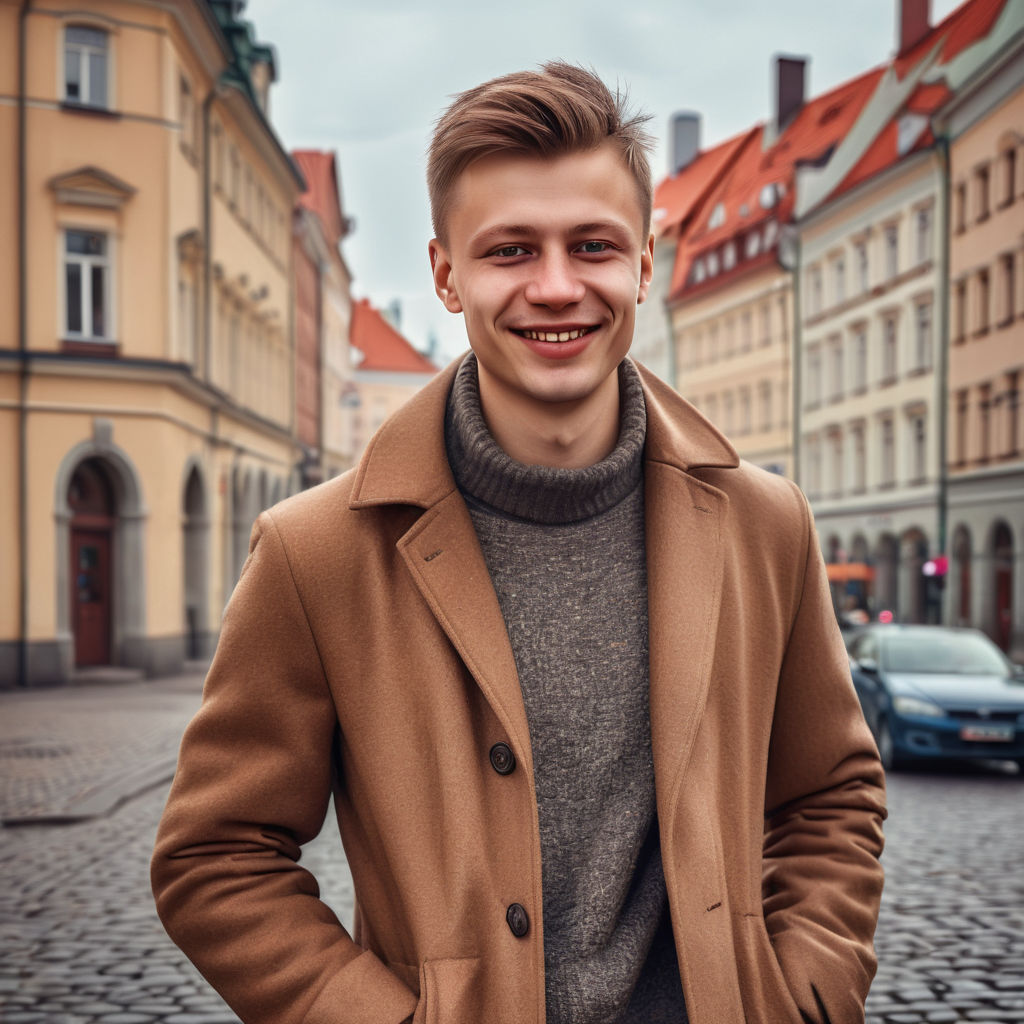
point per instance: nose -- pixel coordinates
(554, 282)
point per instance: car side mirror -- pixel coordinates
(868, 665)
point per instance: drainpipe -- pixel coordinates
(796, 374)
(942, 384)
(23, 596)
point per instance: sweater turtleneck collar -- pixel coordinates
(541, 494)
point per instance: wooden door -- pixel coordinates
(91, 605)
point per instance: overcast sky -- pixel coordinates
(369, 79)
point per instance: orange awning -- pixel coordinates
(843, 572)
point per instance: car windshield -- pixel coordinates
(943, 654)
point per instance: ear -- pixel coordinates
(646, 269)
(444, 283)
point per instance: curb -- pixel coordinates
(102, 798)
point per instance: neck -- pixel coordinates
(563, 435)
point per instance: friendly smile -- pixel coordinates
(555, 336)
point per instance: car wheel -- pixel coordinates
(886, 748)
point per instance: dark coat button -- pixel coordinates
(518, 920)
(503, 761)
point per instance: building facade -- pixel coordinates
(147, 397)
(985, 432)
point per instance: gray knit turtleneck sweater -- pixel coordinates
(565, 552)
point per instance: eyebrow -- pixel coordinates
(500, 231)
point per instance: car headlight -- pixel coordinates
(915, 706)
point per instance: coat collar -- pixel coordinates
(405, 462)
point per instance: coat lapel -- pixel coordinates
(406, 463)
(444, 557)
(684, 527)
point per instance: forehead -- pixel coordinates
(543, 192)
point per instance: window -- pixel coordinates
(764, 390)
(859, 458)
(85, 66)
(889, 340)
(727, 412)
(923, 336)
(923, 234)
(918, 447)
(1011, 418)
(892, 250)
(698, 348)
(888, 453)
(1008, 163)
(839, 279)
(860, 254)
(981, 186)
(836, 368)
(1007, 303)
(960, 428)
(960, 211)
(984, 422)
(814, 290)
(186, 115)
(984, 295)
(746, 331)
(712, 353)
(859, 359)
(766, 324)
(234, 186)
(836, 444)
(729, 336)
(813, 376)
(814, 465)
(959, 311)
(86, 286)
(744, 426)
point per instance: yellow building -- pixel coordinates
(146, 368)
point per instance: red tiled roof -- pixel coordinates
(965, 26)
(382, 346)
(736, 198)
(958, 30)
(322, 196)
(679, 194)
(810, 138)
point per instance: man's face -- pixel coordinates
(547, 260)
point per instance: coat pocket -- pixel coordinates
(448, 991)
(766, 996)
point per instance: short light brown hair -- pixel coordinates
(563, 108)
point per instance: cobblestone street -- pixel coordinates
(85, 774)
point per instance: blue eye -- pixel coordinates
(507, 251)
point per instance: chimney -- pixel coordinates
(914, 23)
(685, 131)
(789, 88)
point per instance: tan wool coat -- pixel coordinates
(364, 653)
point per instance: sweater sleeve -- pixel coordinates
(825, 803)
(252, 786)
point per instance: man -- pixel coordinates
(569, 668)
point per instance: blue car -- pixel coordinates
(937, 692)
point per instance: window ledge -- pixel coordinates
(887, 382)
(102, 348)
(73, 107)
(887, 485)
(919, 371)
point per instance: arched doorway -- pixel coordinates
(195, 558)
(93, 517)
(914, 603)
(887, 557)
(960, 577)
(1002, 584)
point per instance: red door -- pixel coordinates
(90, 574)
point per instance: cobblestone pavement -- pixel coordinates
(81, 942)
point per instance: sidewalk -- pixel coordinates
(76, 752)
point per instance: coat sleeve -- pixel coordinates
(253, 784)
(825, 803)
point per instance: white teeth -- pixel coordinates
(553, 336)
